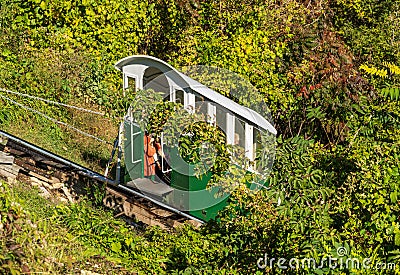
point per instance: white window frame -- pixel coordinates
(211, 113)
(189, 101)
(249, 141)
(173, 94)
(126, 82)
(230, 128)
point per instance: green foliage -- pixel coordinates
(247, 228)
(95, 228)
(245, 38)
(389, 68)
(10, 212)
(365, 12)
(29, 239)
(370, 28)
(394, 69)
(318, 64)
(393, 93)
(391, 71)
(374, 71)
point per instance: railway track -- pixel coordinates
(54, 175)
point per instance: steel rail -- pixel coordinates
(82, 170)
(166, 206)
(93, 175)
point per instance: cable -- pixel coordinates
(54, 120)
(52, 102)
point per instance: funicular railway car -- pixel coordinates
(178, 186)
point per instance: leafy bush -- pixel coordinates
(328, 72)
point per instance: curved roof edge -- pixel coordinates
(146, 60)
(229, 104)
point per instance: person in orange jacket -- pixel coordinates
(150, 156)
(149, 151)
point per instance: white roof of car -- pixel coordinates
(242, 111)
